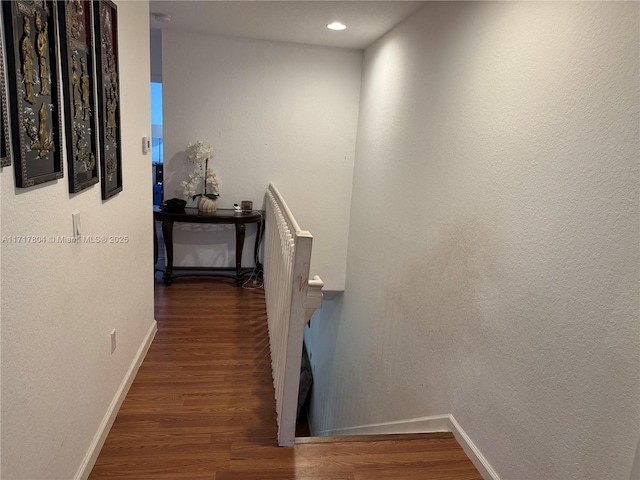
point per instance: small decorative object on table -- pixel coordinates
(173, 205)
(200, 153)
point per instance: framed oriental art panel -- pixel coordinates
(108, 77)
(33, 80)
(5, 142)
(78, 61)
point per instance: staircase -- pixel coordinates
(202, 406)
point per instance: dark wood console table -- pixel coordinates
(220, 216)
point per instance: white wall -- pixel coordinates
(496, 276)
(274, 112)
(156, 54)
(60, 301)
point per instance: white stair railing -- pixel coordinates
(291, 299)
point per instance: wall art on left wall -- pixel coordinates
(108, 76)
(5, 142)
(78, 70)
(33, 79)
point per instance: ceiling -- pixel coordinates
(286, 21)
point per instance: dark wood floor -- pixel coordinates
(202, 406)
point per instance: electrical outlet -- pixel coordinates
(113, 340)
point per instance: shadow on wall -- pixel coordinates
(179, 167)
(320, 338)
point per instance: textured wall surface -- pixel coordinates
(274, 112)
(61, 301)
(493, 264)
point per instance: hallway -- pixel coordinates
(202, 406)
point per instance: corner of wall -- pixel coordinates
(472, 451)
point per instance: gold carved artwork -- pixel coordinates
(33, 83)
(75, 83)
(112, 106)
(107, 45)
(111, 91)
(86, 106)
(109, 98)
(74, 9)
(30, 127)
(76, 22)
(40, 137)
(112, 165)
(84, 155)
(26, 50)
(42, 44)
(81, 89)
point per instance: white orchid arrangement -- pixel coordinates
(200, 153)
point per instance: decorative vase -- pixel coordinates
(206, 204)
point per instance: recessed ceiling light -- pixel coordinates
(336, 26)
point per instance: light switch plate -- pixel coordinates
(75, 216)
(146, 145)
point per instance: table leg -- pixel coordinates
(167, 233)
(256, 247)
(240, 230)
(155, 246)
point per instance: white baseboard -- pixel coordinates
(635, 469)
(110, 416)
(432, 424)
(472, 451)
(437, 423)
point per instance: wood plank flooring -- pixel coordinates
(202, 406)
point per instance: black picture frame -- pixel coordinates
(108, 80)
(78, 73)
(5, 141)
(36, 110)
